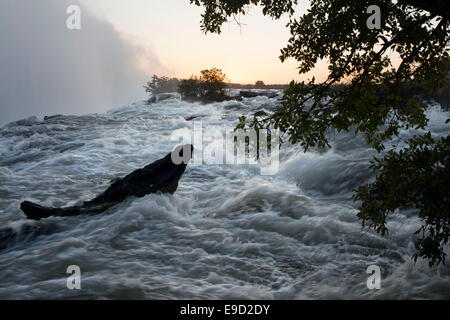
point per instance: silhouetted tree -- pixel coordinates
(210, 86)
(259, 84)
(161, 85)
(213, 84)
(189, 89)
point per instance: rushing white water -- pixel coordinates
(227, 232)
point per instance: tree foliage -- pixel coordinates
(161, 85)
(259, 84)
(189, 89)
(414, 177)
(412, 46)
(210, 86)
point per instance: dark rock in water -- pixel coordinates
(56, 116)
(193, 117)
(190, 118)
(253, 94)
(163, 96)
(261, 114)
(160, 176)
(248, 94)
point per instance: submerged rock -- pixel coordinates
(56, 116)
(253, 94)
(163, 96)
(261, 114)
(190, 118)
(160, 176)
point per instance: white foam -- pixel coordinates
(226, 233)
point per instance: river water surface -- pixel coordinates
(227, 233)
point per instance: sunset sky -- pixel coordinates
(171, 30)
(47, 68)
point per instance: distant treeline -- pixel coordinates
(162, 84)
(211, 85)
(257, 85)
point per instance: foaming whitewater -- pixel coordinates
(227, 233)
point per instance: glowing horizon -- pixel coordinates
(170, 29)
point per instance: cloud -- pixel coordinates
(45, 68)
